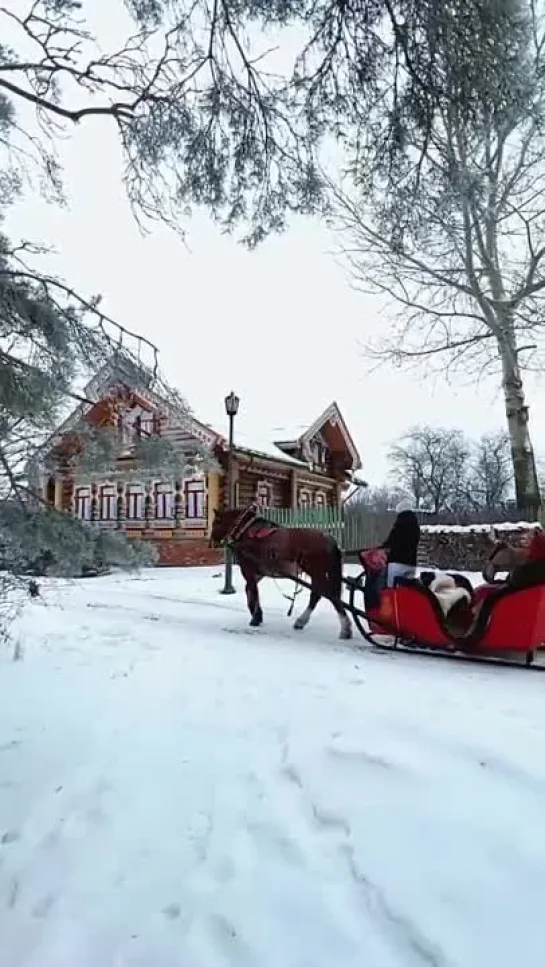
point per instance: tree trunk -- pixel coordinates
(524, 465)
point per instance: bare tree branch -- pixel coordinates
(458, 245)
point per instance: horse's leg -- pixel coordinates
(346, 625)
(254, 604)
(335, 589)
(315, 595)
(304, 618)
(252, 596)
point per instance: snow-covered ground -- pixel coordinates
(179, 791)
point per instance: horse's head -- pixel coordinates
(222, 525)
(228, 522)
(505, 557)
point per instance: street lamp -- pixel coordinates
(231, 408)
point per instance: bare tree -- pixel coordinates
(490, 480)
(379, 500)
(431, 465)
(459, 244)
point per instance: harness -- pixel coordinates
(241, 525)
(245, 526)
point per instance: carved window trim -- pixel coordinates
(108, 502)
(82, 503)
(135, 502)
(304, 498)
(164, 500)
(264, 493)
(320, 499)
(195, 499)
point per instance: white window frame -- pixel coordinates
(320, 499)
(83, 503)
(164, 501)
(307, 495)
(195, 486)
(135, 503)
(148, 424)
(264, 493)
(108, 502)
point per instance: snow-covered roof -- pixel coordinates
(245, 442)
(300, 431)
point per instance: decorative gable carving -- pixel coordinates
(110, 401)
(327, 444)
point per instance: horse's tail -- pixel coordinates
(336, 572)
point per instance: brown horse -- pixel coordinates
(507, 558)
(264, 549)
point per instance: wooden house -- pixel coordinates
(311, 470)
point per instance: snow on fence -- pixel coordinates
(442, 545)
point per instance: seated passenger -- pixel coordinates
(401, 544)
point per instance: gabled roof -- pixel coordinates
(111, 376)
(116, 373)
(331, 415)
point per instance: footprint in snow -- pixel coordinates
(10, 836)
(41, 909)
(173, 911)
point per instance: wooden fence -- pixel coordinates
(355, 528)
(352, 531)
(328, 519)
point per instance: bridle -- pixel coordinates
(241, 525)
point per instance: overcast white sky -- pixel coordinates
(280, 325)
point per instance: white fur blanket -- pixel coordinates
(447, 593)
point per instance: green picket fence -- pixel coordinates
(328, 519)
(351, 531)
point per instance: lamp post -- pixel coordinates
(231, 408)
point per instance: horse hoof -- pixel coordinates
(346, 635)
(298, 625)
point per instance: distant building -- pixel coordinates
(313, 469)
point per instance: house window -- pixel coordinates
(164, 502)
(319, 453)
(194, 499)
(145, 425)
(134, 424)
(83, 503)
(263, 493)
(135, 503)
(108, 503)
(304, 498)
(320, 499)
(125, 429)
(50, 492)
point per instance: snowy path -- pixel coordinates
(176, 791)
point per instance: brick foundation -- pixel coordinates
(188, 552)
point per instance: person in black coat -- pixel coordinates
(402, 542)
